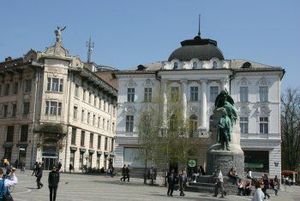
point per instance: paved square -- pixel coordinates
(77, 187)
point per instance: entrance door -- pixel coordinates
(49, 162)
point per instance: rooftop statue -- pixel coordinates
(58, 33)
(225, 105)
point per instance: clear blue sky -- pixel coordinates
(131, 32)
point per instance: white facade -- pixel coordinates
(199, 81)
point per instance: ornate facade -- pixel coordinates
(54, 108)
(198, 72)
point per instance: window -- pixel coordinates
(107, 126)
(55, 84)
(244, 94)
(105, 144)
(94, 120)
(214, 91)
(82, 138)
(10, 134)
(88, 118)
(27, 86)
(193, 127)
(16, 87)
(83, 95)
(5, 110)
(82, 115)
(194, 94)
(263, 94)
(95, 100)
(7, 87)
(112, 145)
(263, 125)
(24, 133)
(244, 125)
(113, 127)
(14, 110)
(215, 64)
(173, 123)
(130, 94)
(99, 142)
(174, 94)
(53, 108)
(194, 65)
(129, 123)
(99, 121)
(90, 97)
(91, 140)
(147, 94)
(76, 90)
(175, 66)
(103, 123)
(26, 107)
(75, 111)
(73, 137)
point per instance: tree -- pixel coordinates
(290, 129)
(164, 141)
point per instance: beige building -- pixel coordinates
(54, 107)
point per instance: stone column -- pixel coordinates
(204, 104)
(184, 87)
(165, 102)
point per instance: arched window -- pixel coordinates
(193, 125)
(194, 65)
(175, 65)
(215, 64)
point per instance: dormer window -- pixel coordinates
(215, 64)
(175, 65)
(194, 65)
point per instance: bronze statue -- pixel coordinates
(225, 104)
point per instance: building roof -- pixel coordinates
(109, 77)
(197, 48)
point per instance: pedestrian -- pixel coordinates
(59, 165)
(182, 182)
(233, 175)
(266, 185)
(34, 168)
(123, 173)
(274, 186)
(219, 184)
(171, 183)
(7, 182)
(151, 175)
(127, 171)
(53, 180)
(70, 168)
(16, 163)
(39, 175)
(248, 188)
(240, 186)
(258, 194)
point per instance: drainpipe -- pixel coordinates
(37, 75)
(68, 117)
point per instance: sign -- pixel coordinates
(22, 149)
(192, 163)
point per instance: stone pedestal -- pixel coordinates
(225, 160)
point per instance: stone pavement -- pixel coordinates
(77, 187)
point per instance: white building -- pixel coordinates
(198, 71)
(53, 107)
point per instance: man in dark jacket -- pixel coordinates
(172, 179)
(127, 173)
(39, 174)
(123, 173)
(53, 181)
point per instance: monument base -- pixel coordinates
(225, 160)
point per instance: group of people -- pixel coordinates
(194, 174)
(8, 179)
(173, 179)
(125, 173)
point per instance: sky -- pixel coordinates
(127, 33)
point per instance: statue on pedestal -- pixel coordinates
(225, 105)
